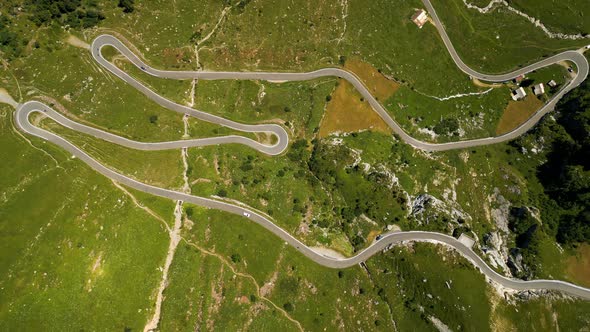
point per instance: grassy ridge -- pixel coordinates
(66, 261)
(131, 244)
(568, 17)
(405, 286)
(160, 168)
(503, 39)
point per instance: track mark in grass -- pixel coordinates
(347, 112)
(517, 112)
(247, 276)
(37, 148)
(141, 206)
(174, 240)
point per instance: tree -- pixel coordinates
(446, 126)
(242, 5)
(565, 175)
(288, 307)
(11, 43)
(127, 5)
(357, 241)
(236, 258)
(298, 151)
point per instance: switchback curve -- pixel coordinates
(24, 110)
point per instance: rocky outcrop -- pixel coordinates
(426, 208)
(501, 211)
(517, 267)
(538, 293)
(515, 262)
(493, 246)
(493, 4)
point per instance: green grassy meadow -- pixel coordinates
(512, 42)
(562, 16)
(73, 245)
(78, 253)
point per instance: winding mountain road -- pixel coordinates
(23, 112)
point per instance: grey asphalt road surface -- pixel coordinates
(573, 56)
(278, 131)
(24, 110)
(576, 57)
(22, 122)
(34, 106)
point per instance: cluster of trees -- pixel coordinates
(75, 14)
(565, 176)
(298, 151)
(236, 258)
(446, 126)
(127, 5)
(67, 12)
(11, 44)
(528, 238)
(84, 19)
(368, 193)
(364, 193)
(242, 5)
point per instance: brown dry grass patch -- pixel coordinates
(380, 86)
(578, 266)
(517, 112)
(346, 113)
(372, 235)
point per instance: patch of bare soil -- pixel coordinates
(6, 98)
(264, 138)
(217, 296)
(95, 271)
(327, 252)
(77, 42)
(97, 262)
(37, 118)
(268, 286)
(174, 240)
(200, 180)
(479, 83)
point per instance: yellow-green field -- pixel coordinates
(347, 112)
(380, 86)
(578, 266)
(517, 112)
